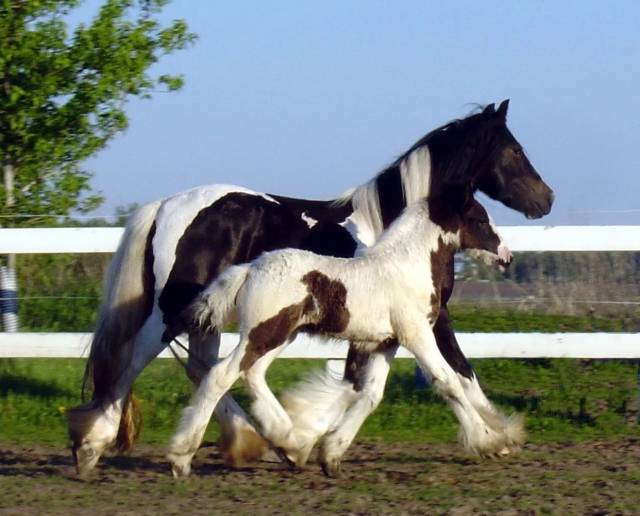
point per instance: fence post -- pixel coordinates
(8, 298)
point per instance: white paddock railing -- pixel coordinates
(475, 345)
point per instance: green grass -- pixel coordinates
(492, 319)
(563, 400)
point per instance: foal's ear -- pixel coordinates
(502, 109)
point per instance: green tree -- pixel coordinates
(63, 93)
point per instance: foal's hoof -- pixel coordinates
(505, 451)
(85, 458)
(180, 465)
(332, 467)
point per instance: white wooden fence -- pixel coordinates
(519, 238)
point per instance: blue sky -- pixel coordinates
(310, 98)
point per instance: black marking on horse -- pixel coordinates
(390, 194)
(148, 278)
(329, 239)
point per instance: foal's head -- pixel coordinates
(480, 237)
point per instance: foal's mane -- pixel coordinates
(441, 153)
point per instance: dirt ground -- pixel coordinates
(378, 478)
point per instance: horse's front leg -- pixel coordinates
(369, 380)
(239, 442)
(95, 425)
(511, 427)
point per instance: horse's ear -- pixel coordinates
(490, 109)
(502, 109)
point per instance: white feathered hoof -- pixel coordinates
(180, 464)
(85, 458)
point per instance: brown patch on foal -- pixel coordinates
(273, 332)
(331, 302)
(327, 299)
(441, 261)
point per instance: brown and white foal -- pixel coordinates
(389, 294)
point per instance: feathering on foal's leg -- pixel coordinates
(475, 433)
(370, 393)
(239, 443)
(512, 427)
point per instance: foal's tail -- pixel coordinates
(126, 303)
(215, 304)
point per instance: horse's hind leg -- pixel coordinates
(239, 442)
(370, 389)
(95, 426)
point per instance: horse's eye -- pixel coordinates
(518, 151)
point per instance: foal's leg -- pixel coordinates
(511, 427)
(475, 433)
(95, 426)
(239, 442)
(370, 384)
(275, 423)
(186, 441)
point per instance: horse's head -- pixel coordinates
(506, 174)
(480, 237)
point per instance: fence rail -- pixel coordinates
(475, 345)
(519, 238)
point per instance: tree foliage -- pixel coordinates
(63, 92)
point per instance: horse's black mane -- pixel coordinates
(451, 145)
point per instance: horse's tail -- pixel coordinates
(126, 303)
(216, 303)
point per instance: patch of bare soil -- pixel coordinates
(378, 478)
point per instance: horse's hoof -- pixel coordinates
(332, 468)
(85, 458)
(285, 459)
(180, 465)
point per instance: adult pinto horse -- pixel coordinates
(172, 249)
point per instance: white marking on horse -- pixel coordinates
(309, 220)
